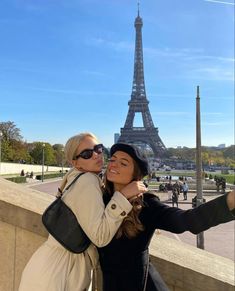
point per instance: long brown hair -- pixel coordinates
(131, 224)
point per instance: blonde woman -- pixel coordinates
(52, 267)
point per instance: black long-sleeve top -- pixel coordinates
(122, 260)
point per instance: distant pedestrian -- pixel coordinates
(169, 190)
(174, 197)
(176, 186)
(185, 190)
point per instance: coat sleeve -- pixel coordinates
(194, 220)
(85, 198)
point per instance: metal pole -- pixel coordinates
(199, 199)
(43, 146)
(62, 162)
(0, 151)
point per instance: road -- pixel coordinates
(218, 240)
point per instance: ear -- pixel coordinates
(73, 163)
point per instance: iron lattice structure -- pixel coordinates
(148, 134)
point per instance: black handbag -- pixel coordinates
(62, 224)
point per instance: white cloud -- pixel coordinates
(211, 113)
(76, 92)
(220, 2)
(208, 67)
(213, 72)
(170, 113)
(121, 45)
(95, 73)
(215, 123)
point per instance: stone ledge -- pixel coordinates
(22, 218)
(189, 266)
(23, 197)
(23, 207)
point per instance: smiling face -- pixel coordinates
(120, 169)
(92, 164)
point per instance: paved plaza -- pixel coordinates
(218, 240)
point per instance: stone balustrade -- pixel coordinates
(183, 267)
(16, 168)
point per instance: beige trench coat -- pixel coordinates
(52, 267)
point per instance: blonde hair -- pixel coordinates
(70, 151)
(73, 143)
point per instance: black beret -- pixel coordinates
(135, 153)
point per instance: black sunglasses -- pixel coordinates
(87, 153)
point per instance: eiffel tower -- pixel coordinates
(148, 134)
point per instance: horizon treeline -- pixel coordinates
(15, 149)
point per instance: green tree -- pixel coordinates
(37, 153)
(12, 148)
(59, 154)
(10, 131)
(229, 152)
(205, 158)
(6, 150)
(20, 152)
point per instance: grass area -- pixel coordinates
(175, 173)
(230, 178)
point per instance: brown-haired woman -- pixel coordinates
(125, 260)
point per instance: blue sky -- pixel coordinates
(66, 66)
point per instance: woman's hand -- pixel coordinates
(133, 189)
(231, 200)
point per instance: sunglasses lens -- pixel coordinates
(87, 154)
(98, 148)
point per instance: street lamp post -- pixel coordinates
(0, 150)
(199, 196)
(62, 162)
(43, 147)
